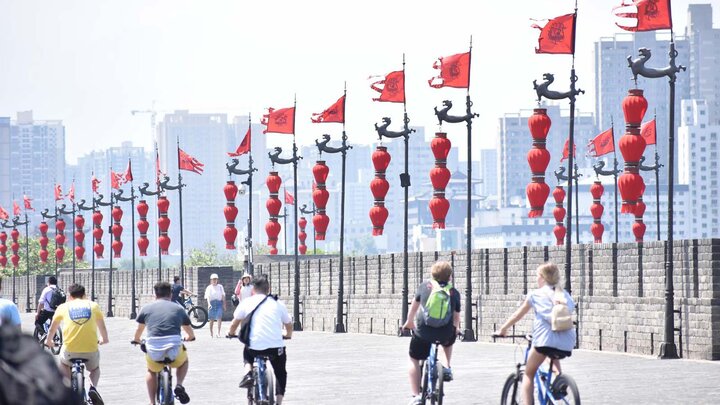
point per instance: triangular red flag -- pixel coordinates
(28, 203)
(189, 163)
(128, 176)
(244, 146)
(289, 199)
(648, 131)
(393, 90)
(651, 15)
(454, 71)
(4, 214)
(281, 121)
(334, 113)
(16, 208)
(115, 180)
(566, 150)
(58, 192)
(95, 184)
(71, 193)
(601, 144)
(557, 36)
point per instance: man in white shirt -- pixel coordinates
(266, 333)
(45, 310)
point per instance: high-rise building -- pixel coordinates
(698, 167)
(489, 172)
(515, 142)
(704, 76)
(32, 161)
(613, 79)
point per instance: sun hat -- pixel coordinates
(246, 275)
(214, 275)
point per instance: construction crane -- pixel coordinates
(153, 118)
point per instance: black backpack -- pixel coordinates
(28, 374)
(58, 297)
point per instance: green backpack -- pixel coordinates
(437, 310)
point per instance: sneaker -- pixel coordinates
(95, 396)
(447, 374)
(246, 381)
(415, 400)
(181, 395)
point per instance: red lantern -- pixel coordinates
(273, 206)
(440, 146)
(273, 250)
(631, 185)
(142, 226)
(97, 218)
(43, 227)
(143, 243)
(43, 255)
(79, 236)
(230, 212)
(302, 249)
(638, 228)
(538, 159)
(60, 239)
(320, 197)
(3, 261)
(272, 229)
(164, 242)
(79, 252)
(320, 172)
(163, 204)
(117, 246)
(596, 210)
(379, 188)
(3, 249)
(378, 216)
(15, 259)
(302, 236)
(3, 237)
(14, 234)
(302, 223)
(60, 225)
(230, 190)
(439, 207)
(117, 214)
(634, 107)
(559, 213)
(320, 222)
(99, 248)
(230, 233)
(117, 231)
(632, 146)
(381, 159)
(97, 233)
(43, 242)
(273, 182)
(164, 224)
(439, 177)
(59, 254)
(142, 208)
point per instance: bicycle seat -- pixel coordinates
(166, 361)
(78, 359)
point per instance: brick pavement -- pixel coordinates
(327, 368)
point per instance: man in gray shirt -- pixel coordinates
(163, 320)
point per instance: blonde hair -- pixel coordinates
(441, 271)
(550, 273)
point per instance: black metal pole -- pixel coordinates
(615, 175)
(159, 270)
(571, 150)
(297, 325)
(250, 265)
(314, 234)
(657, 192)
(92, 253)
(285, 228)
(577, 204)
(27, 264)
(72, 253)
(340, 326)
(133, 304)
(468, 334)
(109, 313)
(182, 244)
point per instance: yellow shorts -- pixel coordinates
(157, 367)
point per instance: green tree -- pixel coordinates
(36, 267)
(205, 256)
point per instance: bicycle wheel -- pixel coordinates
(198, 317)
(565, 390)
(271, 389)
(440, 392)
(424, 385)
(165, 394)
(78, 384)
(511, 393)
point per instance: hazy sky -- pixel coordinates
(90, 63)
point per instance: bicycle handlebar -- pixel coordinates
(526, 337)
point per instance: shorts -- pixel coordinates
(552, 352)
(92, 358)
(216, 310)
(156, 367)
(420, 348)
(278, 361)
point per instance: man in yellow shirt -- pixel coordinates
(81, 320)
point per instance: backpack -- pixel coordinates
(437, 309)
(28, 374)
(560, 316)
(244, 334)
(58, 297)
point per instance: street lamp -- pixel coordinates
(98, 202)
(72, 212)
(118, 197)
(311, 211)
(232, 169)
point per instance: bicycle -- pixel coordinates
(77, 379)
(198, 315)
(164, 394)
(550, 389)
(40, 334)
(262, 391)
(433, 375)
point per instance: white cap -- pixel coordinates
(246, 275)
(214, 275)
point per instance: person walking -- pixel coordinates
(215, 296)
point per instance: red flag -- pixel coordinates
(127, 177)
(28, 203)
(565, 150)
(189, 163)
(393, 90)
(115, 180)
(4, 214)
(71, 193)
(651, 15)
(334, 113)
(601, 144)
(244, 146)
(16, 209)
(289, 199)
(281, 121)
(454, 71)
(158, 172)
(557, 36)
(58, 192)
(649, 132)
(95, 183)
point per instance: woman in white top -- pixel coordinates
(546, 342)
(215, 296)
(244, 288)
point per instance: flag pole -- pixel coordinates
(27, 263)
(468, 333)
(405, 184)
(179, 188)
(615, 175)
(110, 250)
(296, 293)
(232, 169)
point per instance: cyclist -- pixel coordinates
(546, 342)
(163, 320)
(424, 335)
(179, 291)
(81, 321)
(266, 333)
(45, 310)
(9, 314)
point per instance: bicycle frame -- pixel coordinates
(260, 379)
(78, 368)
(432, 370)
(161, 394)
(542, 379)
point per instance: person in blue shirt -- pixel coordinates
(546, 343)
(9, 314)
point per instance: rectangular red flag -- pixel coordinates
(602, 144)
(115, 180)
(58, 192)
(281, 121)
(244, 146)
(566, 150)
(95, 183)
(649, 132)
(557, 36)
(393, 90)
(16, 209)
(28, 203)
(189, 163)
(651, 15)
(71, 193)
(289, 199)
(334, 113)
(128, 176)
(454, 71)
(4, 214)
